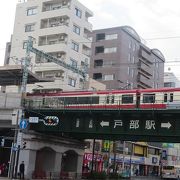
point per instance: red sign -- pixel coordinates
(97, 157)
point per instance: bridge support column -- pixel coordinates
(29, 158)
(57, 167)
(79, 164)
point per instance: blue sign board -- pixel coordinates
(23, 124)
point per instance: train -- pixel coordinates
(163, 98)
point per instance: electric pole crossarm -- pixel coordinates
(56, 61)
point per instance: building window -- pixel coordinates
(78, 12)
(98, 63)
(129, 57)
(31, 11)
(73, 63)
(29, 27)
(169, 84)
(97, 76)
(133, 59)
(130, 44)
(111, 36)
(110, 50)
(109, 63)
(157, 64)
(100, 37)
(76, 29)
(134, 47)
(109, 77)
(132, 73)
(128, 71)
(72, 82)
(99, 49)
(75, 46)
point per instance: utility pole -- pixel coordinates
(93, 153)
(114, 151)
(14, 165)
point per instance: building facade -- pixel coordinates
(170, 80)
(121, 61)
(59, 28)
(171, 154)
(140, 157)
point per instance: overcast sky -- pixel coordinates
(156, 21)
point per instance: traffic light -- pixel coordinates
(2, 142)
(24, 144)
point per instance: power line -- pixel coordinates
(163, 38)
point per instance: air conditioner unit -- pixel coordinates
(64, 2)
(62, 38)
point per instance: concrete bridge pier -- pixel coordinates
(51, 156)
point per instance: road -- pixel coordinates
(145, 178)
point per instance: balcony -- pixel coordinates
(86, 51)
(52, 39)
(143, 81)
(55, 5)
(54, 22)
(144, 68)
(59, 55)
(87, 34)
(145, 56)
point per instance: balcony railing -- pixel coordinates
(53, 8)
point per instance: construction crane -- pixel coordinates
(30, 48)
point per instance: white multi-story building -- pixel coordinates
(170, 80)
(60, 28)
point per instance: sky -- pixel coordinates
(156, 21)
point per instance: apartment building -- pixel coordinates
(121, 60)
(59, 28)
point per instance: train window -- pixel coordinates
(95, 100)
(127, 99)
(70, 100)
(148, 98)
(112, 99)
(171, 97)
(84, 100)
(107, 99)
(165, 97)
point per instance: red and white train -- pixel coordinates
(164, 98)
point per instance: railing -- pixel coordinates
(54, 25)
(52, 42)
(50, 8)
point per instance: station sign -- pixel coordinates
(33, 119)
(109, 126)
